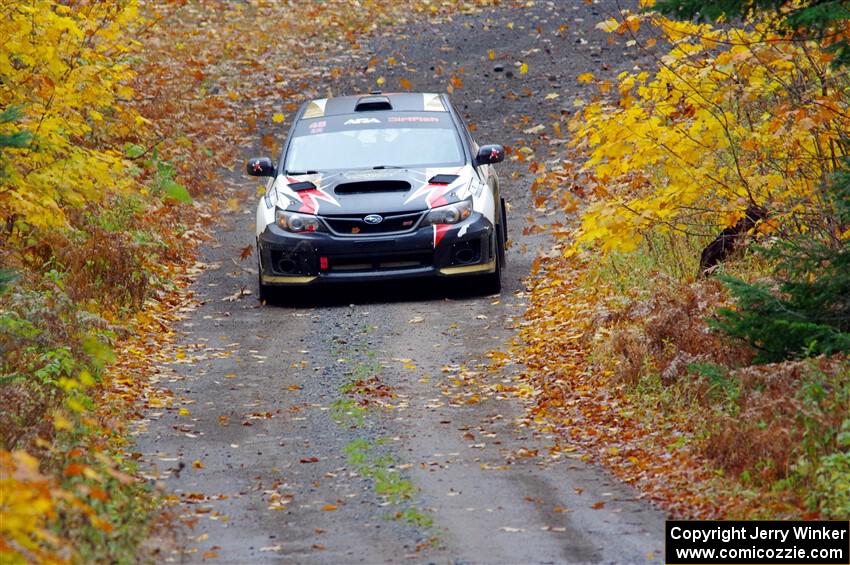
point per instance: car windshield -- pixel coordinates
(374, 147)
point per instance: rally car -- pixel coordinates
(380, 186)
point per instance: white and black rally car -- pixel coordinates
(380, 186)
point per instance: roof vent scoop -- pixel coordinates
(371, 103)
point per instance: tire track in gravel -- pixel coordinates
(279, 461)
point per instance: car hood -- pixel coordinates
(388, 191)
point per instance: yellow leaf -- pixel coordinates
(491, 54)
(608, 25)
(60, 422)
(197, 464)
(381, 81)
(523, 68)
(278, 118)
(75, 405)
(585, 78)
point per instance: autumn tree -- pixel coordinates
(820, 20)
(65, 82)
(809, 312)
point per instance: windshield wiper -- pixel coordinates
(301, 172)
(387, 167)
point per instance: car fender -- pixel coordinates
(266, 206)
(484, 202)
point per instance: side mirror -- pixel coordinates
(260, 167)
(489, 154)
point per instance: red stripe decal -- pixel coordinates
(437, 196)
(439, 231)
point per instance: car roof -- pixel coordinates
(375, 101)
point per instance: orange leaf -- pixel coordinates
(99, 494)
(74, 469)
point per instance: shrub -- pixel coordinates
(808, 313)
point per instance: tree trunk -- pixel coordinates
(729, 240)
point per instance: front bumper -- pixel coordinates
(466, 248)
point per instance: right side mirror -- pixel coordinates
(489, 154)
(260, 167)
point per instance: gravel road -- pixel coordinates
(360, 427)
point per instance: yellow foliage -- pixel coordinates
(731, 119)
(67, 68)
(27, 501)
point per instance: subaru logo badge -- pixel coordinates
(373, 219)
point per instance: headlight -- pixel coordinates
(295, 222)
(450, 214)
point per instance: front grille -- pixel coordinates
(354, 225)
(387, 262)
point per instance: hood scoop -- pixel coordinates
(372, 187)
(443, 179)
(302, 185)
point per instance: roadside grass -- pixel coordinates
(629, 347)
(62, 324)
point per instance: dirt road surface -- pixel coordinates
(356, 428)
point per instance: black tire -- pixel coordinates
(266, 293)
(492, 282)
(502, 207)
(503, 229)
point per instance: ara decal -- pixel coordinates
(361, 121)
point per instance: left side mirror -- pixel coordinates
(260, 167)
(489, 154)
